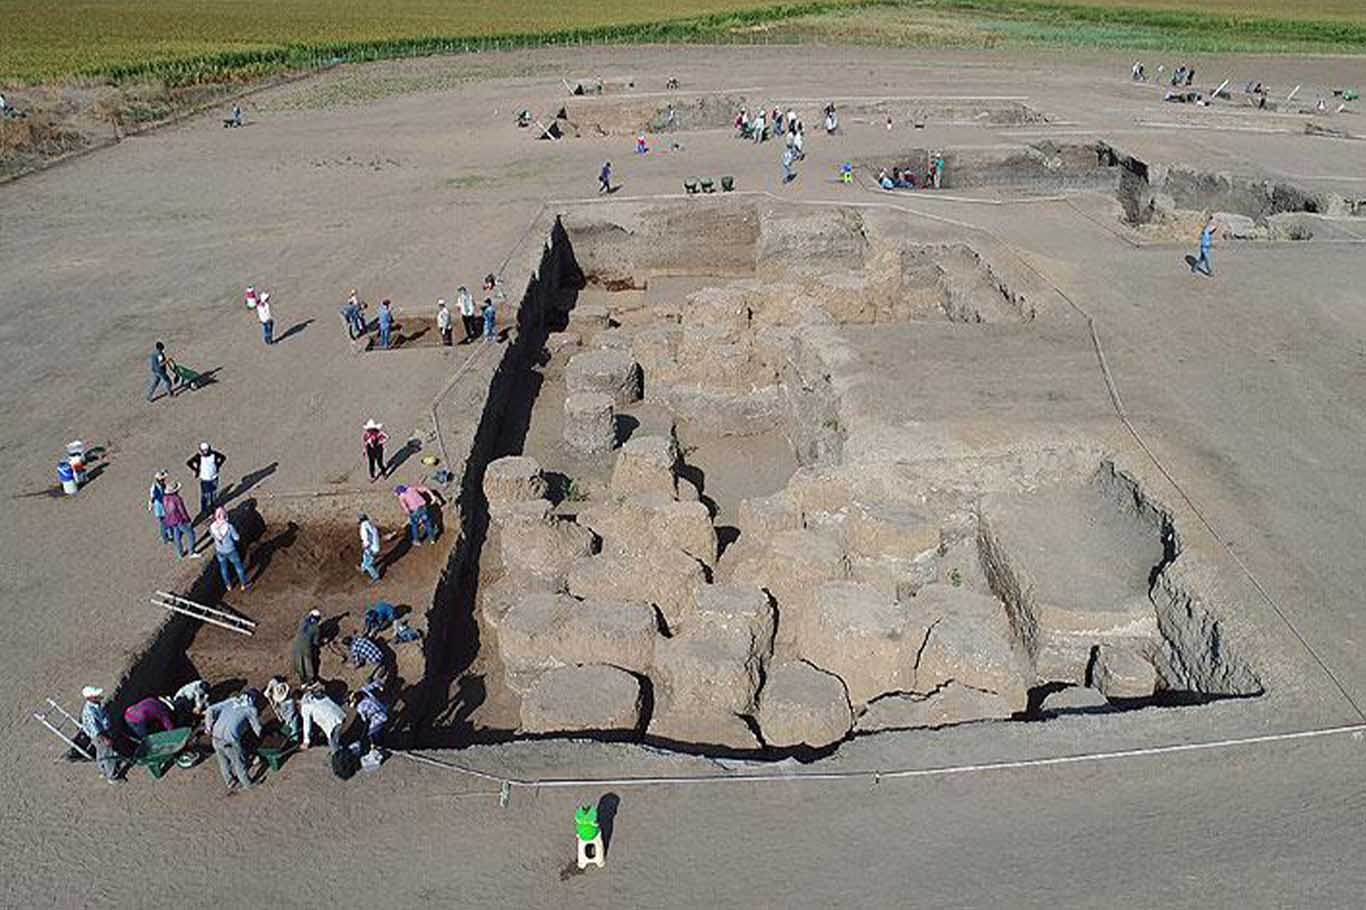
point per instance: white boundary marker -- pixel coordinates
(877, 775)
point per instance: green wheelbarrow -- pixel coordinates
(276, 756)
(277, 746)
(159, 751)
(190, 379)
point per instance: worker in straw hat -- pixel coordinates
(99, 728)
(156, 503)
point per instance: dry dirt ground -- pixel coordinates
(1247, 387)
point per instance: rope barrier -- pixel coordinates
(877, 775)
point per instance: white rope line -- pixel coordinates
(876, 775)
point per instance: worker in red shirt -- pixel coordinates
(148, 713)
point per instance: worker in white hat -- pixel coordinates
(98, 727)
(372, 440)
(307, 640)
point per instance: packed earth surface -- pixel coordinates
(844, 545)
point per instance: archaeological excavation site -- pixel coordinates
(748, 478)
(743, 487)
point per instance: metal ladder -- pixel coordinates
(177, 604)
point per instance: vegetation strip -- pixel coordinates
(1101, 24)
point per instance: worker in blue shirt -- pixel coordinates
(1202, 264)
(97, 726)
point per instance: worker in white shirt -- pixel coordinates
(267, 319)
(206, 465)
(443, 322)
(465, 300)
(369, 547)
(315, 708)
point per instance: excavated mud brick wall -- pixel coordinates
(629, 241)
(1040, 167)
(536, 272)
(1148, 190)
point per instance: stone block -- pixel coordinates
(901, 579)
(950, 704)
(613, 340)
(543, 550)
(791, 568)
(864, 637)
(590, 423)
(654, 349)
(590, 316)
(665, 578)
(515, 478)
(544, 631)
(607, 372)
(1067, 635)
(737, 606)
(709, 670)
(1121, 672)
(769, 514)
(1075, 700)
(968, 641)
(582, 699)
(653, 521)
(681, 724)
(561, 342)
(803, 706)
(885, 531)
(645, 464)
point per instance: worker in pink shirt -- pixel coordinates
(150, 712)
(416, 504)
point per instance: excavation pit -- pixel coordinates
(631, 115)
(309, 561)
(1035, 168)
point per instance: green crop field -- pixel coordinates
(46, 39)
(1264, 26)
(186, 41)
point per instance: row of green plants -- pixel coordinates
(1083, 23)
(1194, 21)
(252, 63)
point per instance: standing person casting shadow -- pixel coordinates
(1202, 263)
(372, 441)
(307, 640)
(225, 541)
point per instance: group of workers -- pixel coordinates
(905, 178)
(477, 320)
(235, 727)
(778, 123)
(1181, 76)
